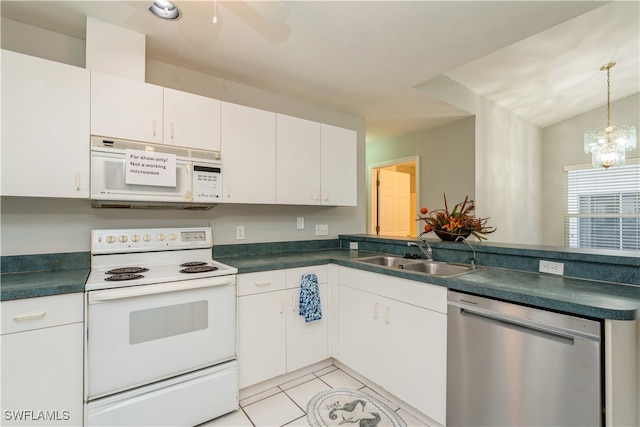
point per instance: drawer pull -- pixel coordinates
(386, 315)
(36, 315)
(263, 283)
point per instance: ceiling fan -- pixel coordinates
(268, 18)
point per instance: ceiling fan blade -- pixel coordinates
(267, 18)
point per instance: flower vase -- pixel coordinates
(450, 237)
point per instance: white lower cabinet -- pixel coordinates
(273, 338)
(394, 332)
(42, 361)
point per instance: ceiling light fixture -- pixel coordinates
(608, 145)
(165, 9)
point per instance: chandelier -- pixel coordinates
(608, 145)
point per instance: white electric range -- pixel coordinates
(160, 344)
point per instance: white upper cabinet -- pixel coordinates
(248, 147)
(298, 161)
(45, 128)
(191, 120)
(338, 166)
(130, 109)
(316, 163)
(125, 108)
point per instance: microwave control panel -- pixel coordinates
(207, 183)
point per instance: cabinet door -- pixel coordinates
(298, 161)
(339, 166)
(307, 342)
(125, 108)
(191, 120)
(261, 337)
(359, 344)
(45, 128)
(414, 342)
(42, 371)
(248, 147)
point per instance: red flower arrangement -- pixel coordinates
(457, 223)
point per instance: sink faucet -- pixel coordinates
(428, 252)
(473, 260)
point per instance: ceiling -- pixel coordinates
(540, 59)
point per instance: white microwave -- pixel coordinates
(197, 183)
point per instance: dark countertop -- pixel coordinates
(597, 299)
(42, 283)
(590, 298)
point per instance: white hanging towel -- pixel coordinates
(310, 298)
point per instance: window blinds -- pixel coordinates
(603, 207)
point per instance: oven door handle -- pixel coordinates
(154, 289)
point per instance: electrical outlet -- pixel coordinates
(240, 232)
(353, 245)
(322, 229)
(551, 267)
(300, 223)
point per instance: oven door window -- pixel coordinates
(162, 322)
(136, 340)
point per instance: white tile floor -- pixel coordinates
(286, 405)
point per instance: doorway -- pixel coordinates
(393, 194)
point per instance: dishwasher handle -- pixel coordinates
(540, 329)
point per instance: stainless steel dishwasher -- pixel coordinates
(511, 365)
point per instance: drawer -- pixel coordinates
(263, 281)
(294, 275)
(42, 312)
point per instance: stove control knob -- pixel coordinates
(123, 239)
(146, 238)
(135, 238)
(111, 239)
(172, 236)
(161, 237)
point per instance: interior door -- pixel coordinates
(393, 203)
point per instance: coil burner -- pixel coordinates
(199, 269)
(127, 270)
(123, 276)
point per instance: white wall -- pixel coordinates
(563, 145)
(507, 163)
(33, 226)
(447, 161)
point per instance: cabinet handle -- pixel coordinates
(386, 314)
(375, 310)
(293, 303)
(228, 185)
(154, 127)
(280, 305)
(171, 130)
(262, 283)
(325, 194)
(78, 181)
(36, 315)
(315, 194)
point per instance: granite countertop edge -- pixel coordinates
(601, 300)
(33, 284)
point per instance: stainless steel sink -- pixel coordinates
(433, 268)
(437, 268)
(388, 261)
